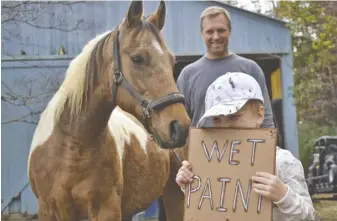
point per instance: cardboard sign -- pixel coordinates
(223, 162)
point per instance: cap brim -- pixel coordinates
(221, 109)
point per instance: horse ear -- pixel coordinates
(158, 18)
(135, 13)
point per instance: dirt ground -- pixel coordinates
(326, 209)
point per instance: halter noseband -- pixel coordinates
(148, 106)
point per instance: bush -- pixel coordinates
(307, 134)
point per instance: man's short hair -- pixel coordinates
(214, 11)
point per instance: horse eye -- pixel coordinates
(137, 59)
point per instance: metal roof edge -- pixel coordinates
(251, 12)
(36, 57)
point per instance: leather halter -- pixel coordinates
(148, 105)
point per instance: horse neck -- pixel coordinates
(92, 120)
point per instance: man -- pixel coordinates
(193, 81)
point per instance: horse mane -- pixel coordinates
(84, 70)
(81, 74)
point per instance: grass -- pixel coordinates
(326, 209)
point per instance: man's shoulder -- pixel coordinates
(250, 66)
(192, 67)
(244, 60)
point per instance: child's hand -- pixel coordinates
(184, 174)
(269, 186)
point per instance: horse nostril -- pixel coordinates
(174, 131)
(178, 134)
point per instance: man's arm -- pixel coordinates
(183, 87)
(268, 112)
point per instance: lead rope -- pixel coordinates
(159, 148)
(180, 160)
(177, 156)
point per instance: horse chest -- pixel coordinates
(76, 160)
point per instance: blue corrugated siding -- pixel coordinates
(251, 33)
(17, 136)
(288, 105)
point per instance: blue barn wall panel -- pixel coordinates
(251, 33)
(17, 136)
(288, 105)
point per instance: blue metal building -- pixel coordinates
(263, 39)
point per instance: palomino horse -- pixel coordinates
(91, 160)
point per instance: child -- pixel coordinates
(235, 100)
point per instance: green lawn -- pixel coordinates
(326, 210)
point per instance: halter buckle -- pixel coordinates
(118, 77)
(146, 114)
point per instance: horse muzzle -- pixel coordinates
(178, 136)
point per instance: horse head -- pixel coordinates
(143, 76)
(130, 67)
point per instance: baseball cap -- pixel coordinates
(228, 94)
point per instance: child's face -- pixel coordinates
(249, 116)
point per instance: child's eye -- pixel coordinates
(235, 117)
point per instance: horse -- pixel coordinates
(102, 149)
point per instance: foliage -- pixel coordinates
(28, 96)
(31, 13)
(314, 36)
(327, 210)
(16, 16)
(308, 133)
(231, 2)
(24, 99)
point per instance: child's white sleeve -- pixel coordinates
(297, 203)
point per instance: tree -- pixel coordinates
(30, 97)
(40, 15)
(33, 92)
(231, 2)
(30, 13)
(314, 37)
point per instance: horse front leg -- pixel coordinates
(173, 201)
(59, 207)
(45, 213)
(64, 206)
(108, 209)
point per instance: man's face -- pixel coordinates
(247, 117)
(215, 33)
